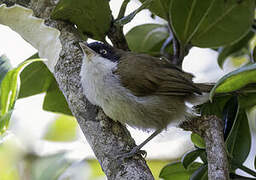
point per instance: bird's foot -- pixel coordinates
(135, 151)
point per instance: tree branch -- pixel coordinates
(211, 129)
(107, 138)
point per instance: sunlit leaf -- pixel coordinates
(64, 128)
(155, 166)
(190, 157)
(147, 38)
(211, 23)
(177, 171)
(198, 140)
(5, 66)
(92, 17)
(9, 92)
(239, 141)
(227, 51)
(235, 80)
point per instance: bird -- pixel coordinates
(136, 89)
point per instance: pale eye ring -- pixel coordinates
(103, 51)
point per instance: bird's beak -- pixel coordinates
(87, 51)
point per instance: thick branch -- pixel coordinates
(107, 138)
(211, 129)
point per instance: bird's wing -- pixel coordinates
(146, 75)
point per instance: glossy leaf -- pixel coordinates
(239, 141)
(92, 17)
(177, 171)
(201, 173)
(147, 38)
(190, 157)
(227, 51)
(215, 107)
(9, 92)
(211, 23)
(5, 66)
(35, 79)
(230, 112)
(159, 7)
(197, 140)
(55, 101)
(235, 80)
(64, 128)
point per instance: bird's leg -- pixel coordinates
(136, 149)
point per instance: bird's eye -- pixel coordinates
(103, 51)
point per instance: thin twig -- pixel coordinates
(128, 18)
(123, 9)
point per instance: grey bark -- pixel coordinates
(211, 129)
(215, 149)
(106, 138)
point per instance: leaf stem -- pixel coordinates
(123, 9)
(244, 168)
(128, 18)
(177, 58)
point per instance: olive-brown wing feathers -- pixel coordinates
(146, 75)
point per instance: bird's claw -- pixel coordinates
(135, 151)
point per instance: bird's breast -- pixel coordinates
(103, 88)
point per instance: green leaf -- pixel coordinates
(55, 101)
(230, 112)
(147, 38)
(190, 157)
(35, 79)
(247, 101)
(9, 92)
(235, 80)
(5, 66)
(50, 167)
(227, 51)
(211, 23)
(177, 171)
(92, 17)
(200, 173)
(197, 140)
(215, 107)
(64, 128)
(159, 7)
(239, 141)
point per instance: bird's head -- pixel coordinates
(97, 49)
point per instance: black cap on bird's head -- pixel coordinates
(104, 50)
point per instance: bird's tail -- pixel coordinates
(204, 87)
